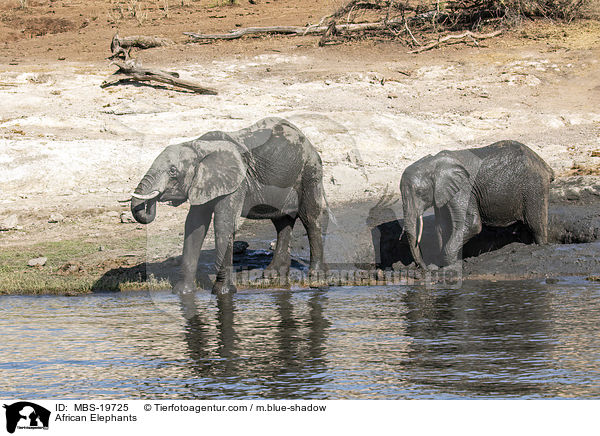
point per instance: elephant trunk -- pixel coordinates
(414, 238)
(143, 211)
(143, 200)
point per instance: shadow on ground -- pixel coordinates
(168, 270)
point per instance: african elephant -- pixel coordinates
(496, 185)
(269, 170)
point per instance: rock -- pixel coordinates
(38, 261)
(10, 223)
(126, 217)
(70, 268)
(273, 244)
(239, 247)
(56, 218)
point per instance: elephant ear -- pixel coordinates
(451, 179)
(221, 172)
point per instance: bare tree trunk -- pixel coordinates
(286, 30)
(130, 71)
(121, 47)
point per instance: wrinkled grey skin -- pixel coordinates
(496, 185)
(267, 171)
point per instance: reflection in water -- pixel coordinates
(286, 355)
(481, 342)
(486, 340)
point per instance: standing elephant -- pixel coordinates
(496, 185)
(269, 170)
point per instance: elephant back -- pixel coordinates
(273, 148)
(515, 158)
(280, 160)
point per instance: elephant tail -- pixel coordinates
(548, 168)
(329, 211)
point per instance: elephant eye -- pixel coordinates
(173, 171)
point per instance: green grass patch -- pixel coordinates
(58, 253)
(16, 277)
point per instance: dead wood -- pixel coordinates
(130, 71)
(121, 46)
(286, 30)
(331, 32)
(382, 18)
(468, 34)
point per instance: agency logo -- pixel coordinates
(26, 415)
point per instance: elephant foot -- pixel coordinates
(276, 270)
(183, 288)
(318, 277)
(318, 266)
(222, 288)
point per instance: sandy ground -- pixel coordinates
(69, 147)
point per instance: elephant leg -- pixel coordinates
(196, 226)
(459, 231)
(227, 211)
(281, 257)
(224, 265)
(443, 230)
(465, 222)
(536, 216)
(310, 214)
(452, 248)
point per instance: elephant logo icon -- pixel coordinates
(24, 414)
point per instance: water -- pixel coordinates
(486, 340)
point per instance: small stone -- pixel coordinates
(273, 244)
(10, 223)
(70, 267)
(239, 247)
(56, 218)
(38, 261)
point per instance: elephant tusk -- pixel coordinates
(420, 229)
(146, 197)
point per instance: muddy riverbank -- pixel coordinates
(364, 245)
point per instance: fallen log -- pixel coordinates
(288, 30)
(121, 46)
(468, 34)
(131, 71)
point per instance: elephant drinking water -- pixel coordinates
(269, 170)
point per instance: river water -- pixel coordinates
(523, 339)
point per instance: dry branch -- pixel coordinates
(121, 47)
(131, 71)
(467, 34)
